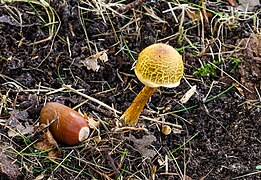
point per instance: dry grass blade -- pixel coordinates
(231, 77)
(43, 44)
(161, 122)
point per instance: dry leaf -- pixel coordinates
(20, 129)
(142, 145)
(248, 5)
(91, 63)
(204, 12)
(40, 177)
(102, 56)
(97, 139)
(92, 123)
(47, 142)
(15, 116)
(188, 94)
(195, 15)
(232, 2)
(161, 161)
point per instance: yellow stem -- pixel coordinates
(131, 115)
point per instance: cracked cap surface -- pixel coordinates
(159, 65)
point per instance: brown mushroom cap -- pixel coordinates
(159, 65)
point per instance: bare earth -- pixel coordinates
(92, 47)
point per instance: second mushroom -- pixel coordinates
(158, 65)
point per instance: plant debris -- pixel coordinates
(143, 145)
(21, 130)
(188, 94)
(250, 67)
(91, 63)
(14, 118)
(82, 54)
(47, 143)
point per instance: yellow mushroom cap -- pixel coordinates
(159, 65)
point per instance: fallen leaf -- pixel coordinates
(102, 56)
(15, 116)
(143, 145)
(97, 139)
(248, 5)
(40, 177)
(204, 12)
(20, 129)
(161, 161)
(91, 63)
(47, 142)
(188, 94)
(195, 15)
(92, 123)
(232, 2)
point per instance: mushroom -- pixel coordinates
(158, 65)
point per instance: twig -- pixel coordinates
(112, 164)
(167, 123)
(90, 98)
(97, 109)
(231, 77)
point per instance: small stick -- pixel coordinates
(90, 98)
(97, 109)
(112, 163)
(167, 123)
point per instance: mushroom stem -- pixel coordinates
(131, 115)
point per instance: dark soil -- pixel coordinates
(220, 137)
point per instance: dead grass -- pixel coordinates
(111, 152)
